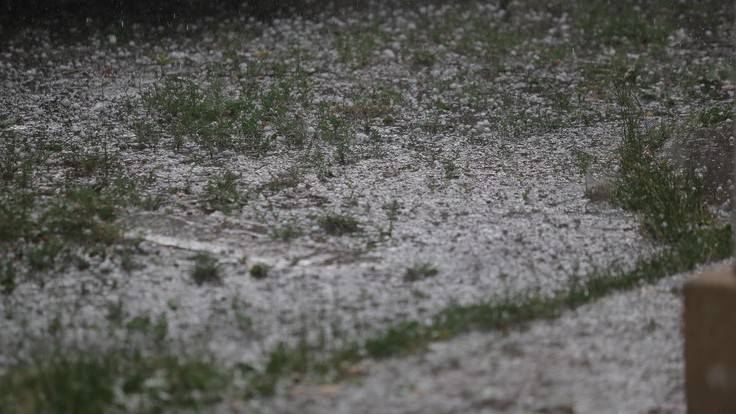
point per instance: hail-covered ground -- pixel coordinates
(349, 171)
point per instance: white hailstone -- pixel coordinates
(105, 266)
(112, 39)
(389, 54)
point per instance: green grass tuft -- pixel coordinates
(338, 224)
(206, 269)
(670, 202)
(419, 271)
(259, 271)
(715, 115)
(221, 192)
(112, 381)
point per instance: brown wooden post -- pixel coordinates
(710, 333)
(710, 342)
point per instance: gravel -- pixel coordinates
(509, 216)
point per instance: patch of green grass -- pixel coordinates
(339, 224)
(293, 130)
(216, 119)
(254, 117)
(206, 269)
(706, 80)
(320, 163)
(420, 270)
(43, 256)
(442, 106)
(288, 179)
(259, 271)
(715, 115)
(434, 125)
(240, 312)
(79, 216)
(221, 192)
(401, 339)
(150, 202)
(206, 117)
(111, 381)
(44, 231)
(423, 58)
(281, 361)
(84, 215)
(483, 36)
(336, 132)
(517, 116)
(7, 121)
(377, 104)
(144, 324)
(115, 312)
(7, 277)
(388, 96)
(583, 160)
(356, 46)
(451, 169)
(102, 164)
(286, 232)
(147, 134)
(17, 157)
(621, 24)
(173, 304)
(392, 214)
(670, 202)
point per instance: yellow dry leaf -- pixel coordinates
(330, 388)
(260, 53)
